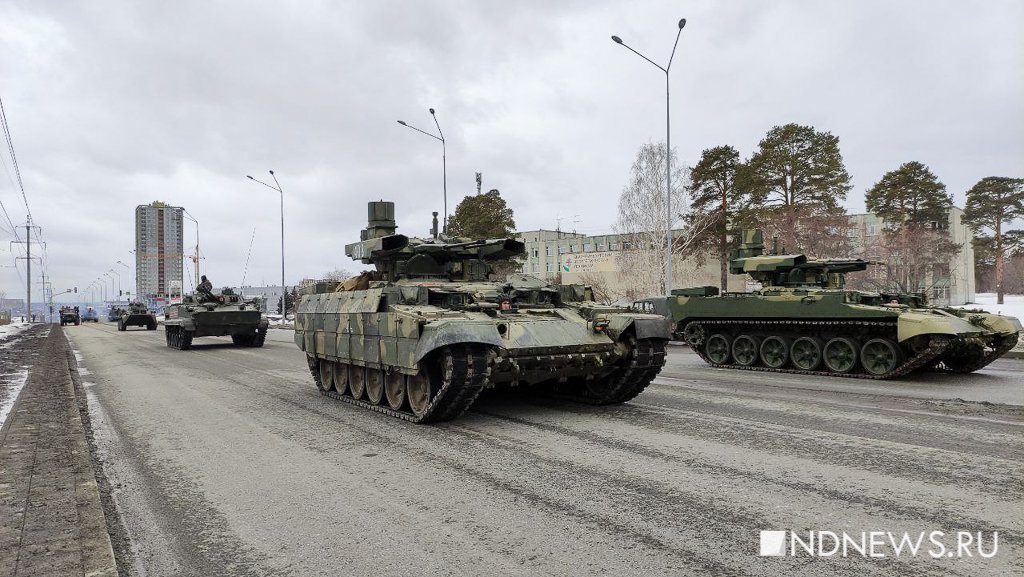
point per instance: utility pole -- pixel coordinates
(28, 265)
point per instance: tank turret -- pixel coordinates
(397, 256)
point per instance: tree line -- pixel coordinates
(793, 187)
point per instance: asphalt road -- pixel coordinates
(226, 461)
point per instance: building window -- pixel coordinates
(547, 250)
(549, 269)
(600, 247)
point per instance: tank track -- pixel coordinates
(469, 375)
(937, 346)
(1008, 343)
(626, 383)
(261, 337)
(178, 338)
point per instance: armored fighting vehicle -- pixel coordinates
(70, 316)
(114, 313)
(204, 314)
(803, 320)
(425, 333)
(90, 315)
(137, 315)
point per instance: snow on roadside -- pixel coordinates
(11, 392)
(1013, 305)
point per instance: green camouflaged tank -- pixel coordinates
(422, 336)
(803, 320)
(215, 315)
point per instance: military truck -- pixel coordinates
(203, 314)
(137, 315)
(90, 315)
(421, 336)
(802, 319)
(70, 316)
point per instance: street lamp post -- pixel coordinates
(128, 271)
(668, 152)
(118, 284)
(284, 308)
(111, 277)
(195, 257)
(444, 162)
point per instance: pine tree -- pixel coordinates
(993, 203)
(482, 216)
(714, 196)
(797, 181)
(914, 206)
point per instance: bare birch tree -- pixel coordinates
(642, 224)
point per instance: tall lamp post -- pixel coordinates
(668, 152)
(195, 257)
(118, 284)
(444, 162)
(127, 271)
(111, 277)
(284, 309)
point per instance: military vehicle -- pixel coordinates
(803, 320)
(114, 313)
(70, 316)
(90, 315)
(425, 333)
(136, 315)
(205, 314)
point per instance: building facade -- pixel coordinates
(158, 253)
(948, 283)
(596, 260)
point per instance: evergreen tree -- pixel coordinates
(914, 208)
(715, 196)
(992, 204)
(482, 216)
(797, 181)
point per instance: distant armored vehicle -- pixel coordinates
(90, 315)
(803, 320)
(422, 336)
(114, 313)
(136, 315)
(204, 314)
(70, 316)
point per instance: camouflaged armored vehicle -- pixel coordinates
(136, 315)
(205, 314)
(90, 315)
(70, 316)
(803, 320)
(422, 336)
(114, 313)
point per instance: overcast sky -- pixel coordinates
(112, 104)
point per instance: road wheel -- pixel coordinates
(745, 350)
(840, 354)
(419, 392)
(186, 339)
(168, 331)
(120, 326)
(694, 334)
(880, 356)
(324, 367)
(394, 389)
(806, 353)
(340, 377)
(717, 348)
(374, 385)
(774, 352)
(356, 381)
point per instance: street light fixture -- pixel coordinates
(118, 284)
(284, 309)
(668, 152)
(111, 277)
(127, 271)
(444, 161)
(195, 257)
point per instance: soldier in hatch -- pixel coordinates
(204, 291)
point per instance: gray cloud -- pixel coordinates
(114, 104)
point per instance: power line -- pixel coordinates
(14, 157)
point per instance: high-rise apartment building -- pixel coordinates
(158, 252)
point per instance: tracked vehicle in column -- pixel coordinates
(424, 334)
(136, 315)
(804, 320)
(215, 315)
